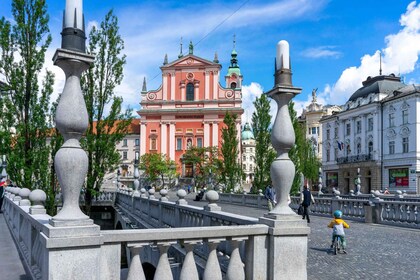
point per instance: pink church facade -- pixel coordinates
(189, 107)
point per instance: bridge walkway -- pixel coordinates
(11, 267)
(374, 251)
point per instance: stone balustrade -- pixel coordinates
(240, 250)
(393, 209)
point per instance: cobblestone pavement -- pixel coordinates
(374, 251)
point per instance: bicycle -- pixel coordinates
(338, 246)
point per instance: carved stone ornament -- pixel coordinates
(190, 76)
(405, 131)
(151, 96)
(390, 134)
(229, 94)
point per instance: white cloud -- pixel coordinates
(399, 56)
(249, 94)
(321, 51)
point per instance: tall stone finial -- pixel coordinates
(144, 88)
(216, 58)
(165, 60)
(73, 34)
(180, 51)
(282, 169)
(191, 48)
(71, 162)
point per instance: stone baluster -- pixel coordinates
(236, 267)
(17, 198)
(163, 269)
(38, 198)
(135, 271)
(189, 268)
(143, 193)
(24, 194)
(163, 194)
(181, 194)
(212, 270)
(212, 197)
(152, 194)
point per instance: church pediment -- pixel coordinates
(190, 61)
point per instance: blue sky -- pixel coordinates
(334, 45)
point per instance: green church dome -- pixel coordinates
(247, 133)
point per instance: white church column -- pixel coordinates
(165, 86)
(172, 95)
(163, 138)
(215, 84)
(142, 139)
(215, 141)
(172, 141)
(206, 134)
(207, 85)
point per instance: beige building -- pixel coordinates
(311, 116)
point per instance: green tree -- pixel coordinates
(25, 103)
(106, 127)
(231, 173)
(204, 160)
(157, 166)
(302, 153)
(264, 153)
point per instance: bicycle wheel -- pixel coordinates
(335, 247)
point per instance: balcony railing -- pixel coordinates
(358, 158)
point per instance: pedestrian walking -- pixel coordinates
(305, 199)
(270, 195)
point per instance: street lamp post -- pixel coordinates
(118, 178)
(136, 175)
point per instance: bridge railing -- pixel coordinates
(169, 214)
(206, 240)
(396, 210)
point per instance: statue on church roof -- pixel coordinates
(191, 48)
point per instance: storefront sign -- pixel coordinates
(398, 177)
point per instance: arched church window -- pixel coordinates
(190, 92)
(233, 85)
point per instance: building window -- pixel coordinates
(336, 132)
(405, 144)
(244, 166)
(370, 147)
(348, 129)
(178, 144)
(370, 124)
(124, 142)
(199, 142)
(233, 85)
(348, 149)
(328, 134)
(313, 130)
(137, 142)
(391, 147)
(391, 119)
(335, 153)
(359, 126)
(309, 130)
(359, 148)
(153, 146)
(244, 157)
(190, 92)
(405, 116)
(328, 154)
(124, 155)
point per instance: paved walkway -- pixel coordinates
(374, 251)
(11, 267)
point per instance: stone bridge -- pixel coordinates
(222, 239)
